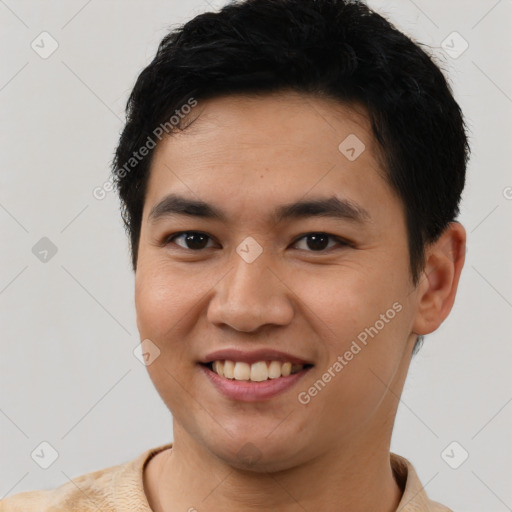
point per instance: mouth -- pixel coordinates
(259, 371)
(253, 376)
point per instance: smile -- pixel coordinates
(253, 382)
(256, 372)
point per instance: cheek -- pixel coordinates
(162, 298)
(168, 303)
(343, 301)
(163, 309)
(364, 328)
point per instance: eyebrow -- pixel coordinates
(333, 207)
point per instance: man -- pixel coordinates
(290, 174)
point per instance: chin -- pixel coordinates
(259, 454)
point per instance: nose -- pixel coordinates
(250, 296)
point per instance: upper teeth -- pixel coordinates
(257, 371)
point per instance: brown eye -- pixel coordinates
(316, 242)
(196, 241)
(193, 240)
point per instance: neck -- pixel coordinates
(355, 476)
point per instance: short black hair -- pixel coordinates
(338, 49)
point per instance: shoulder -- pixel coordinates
(438, 507)
(86, 492)
(414, 497)
(113, 489)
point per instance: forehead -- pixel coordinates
(292, 117)
(268, 149)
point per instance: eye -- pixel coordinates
(193, 240)
(196, 241)
(318, 242)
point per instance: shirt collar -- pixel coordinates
(128, 482)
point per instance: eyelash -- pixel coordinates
(344, 243)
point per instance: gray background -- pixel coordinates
(68, 375)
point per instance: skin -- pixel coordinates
(248, 155)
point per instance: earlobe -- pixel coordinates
(438, 284)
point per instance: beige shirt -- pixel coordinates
(120, 489)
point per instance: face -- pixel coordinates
(326, 282)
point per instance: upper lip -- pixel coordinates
(253, 356)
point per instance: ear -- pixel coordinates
(437, 288)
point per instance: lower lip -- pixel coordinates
(247, 391)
